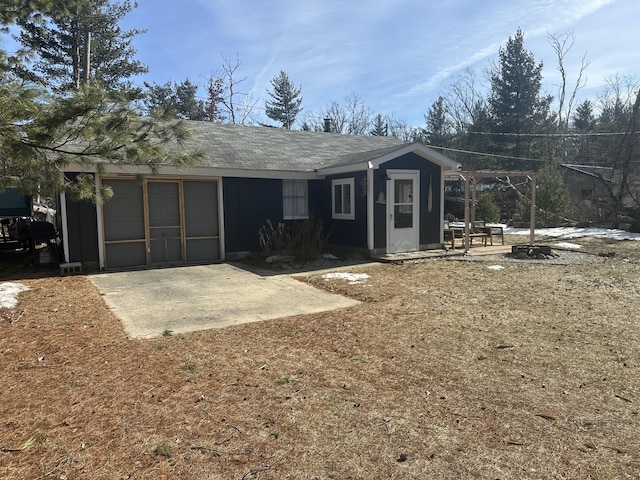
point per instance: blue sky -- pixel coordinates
(397, 55)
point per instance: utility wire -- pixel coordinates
(486, 154)
(603, 134)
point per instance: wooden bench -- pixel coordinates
(490, 230)
(451, 234)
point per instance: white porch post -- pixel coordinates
(370, 210)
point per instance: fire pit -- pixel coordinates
(538, 252)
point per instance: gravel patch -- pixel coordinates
(561, 257)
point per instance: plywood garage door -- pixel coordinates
(161, 222)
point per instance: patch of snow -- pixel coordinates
(352, 278)
(329, 256)
(575, 232)
(571, 246)
(496, 267)
(9, 294)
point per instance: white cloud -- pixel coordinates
(396, 55)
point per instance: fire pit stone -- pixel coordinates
(527, 252)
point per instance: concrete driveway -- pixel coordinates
(186, 299)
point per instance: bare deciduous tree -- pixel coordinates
(224, 97)
(562, 45)
(352, 117)
(464, 98)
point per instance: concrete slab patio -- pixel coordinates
(186, 299)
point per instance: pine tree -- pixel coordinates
(177, 100)
(515, 103)
(65, 41)
(486, 209)
(285, 103)
(583, 119)
(552, 198)
(379, 126)
(42, 133)
(438, 127)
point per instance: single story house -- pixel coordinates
(375, 194)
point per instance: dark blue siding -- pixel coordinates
(350, 233)
(248, 204)
(82, 228)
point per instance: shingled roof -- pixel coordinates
(275, 149)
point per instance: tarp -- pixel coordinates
(13, 204)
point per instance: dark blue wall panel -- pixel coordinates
(82, 229)
(350, 233)
(248, 204)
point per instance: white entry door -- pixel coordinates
(403, 211)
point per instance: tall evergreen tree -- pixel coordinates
(285, 103)
(41, 133)
(584, 120)
(515, 103)
(438, 126)
(84, 41)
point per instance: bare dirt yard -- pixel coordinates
(447, 369)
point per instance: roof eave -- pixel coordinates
(418, 148)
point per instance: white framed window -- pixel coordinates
(343, 201)
(295, 199)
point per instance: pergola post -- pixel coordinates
(474, 200)
(532, 219)
(466, 214)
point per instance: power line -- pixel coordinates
(603, 134)
(486, 154)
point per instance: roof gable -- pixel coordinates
(375, 158)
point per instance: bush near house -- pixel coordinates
(305, 240)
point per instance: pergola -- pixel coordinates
(470, 178)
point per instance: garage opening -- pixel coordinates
(161, 223)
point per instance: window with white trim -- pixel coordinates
(294, 199)
(343, 201)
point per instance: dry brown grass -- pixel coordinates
(446, 370)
